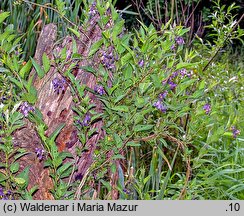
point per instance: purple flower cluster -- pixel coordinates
(93, 11)
(159, 105)
(59, 84)
(126, 191)
(183, 72)
(170, 81)
(179, 40)
(39, 153)
(207, 108)
(141, 63)
(25, 108)
(85, 121)
(172, 85)
(99, 89)
(162, 95)
(5, 195)
(1, 192)
(108, 59)
(235, 132)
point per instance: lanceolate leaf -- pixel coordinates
(3, 16)
(40, 72)
(56, 132)
(46, 62)
(24, 71)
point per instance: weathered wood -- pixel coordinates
(27, 138)
(57, 108)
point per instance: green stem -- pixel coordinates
(55, 10)
(172, 9)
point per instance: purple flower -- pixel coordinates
(1, 192)
(93, 10)
(179, 40)
(172, 85)
(4, 197)
(174, 74)
(25, 108)
(128, 192)
(173, 47)
(162, 95)
(39, 153)
(108, 59)
(99, 89)
(85, 121)
(160, 106)
(141, 63)
(59, 84)
(183, 72)
(207, 108)
(235, 132)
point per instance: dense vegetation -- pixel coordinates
(172, 111)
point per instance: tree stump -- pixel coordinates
(57, 108)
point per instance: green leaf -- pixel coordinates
(183, 31)
(14, 167)
(106, 184)
(47, 163)
(119, 98)
(139, 128)
(117, 29)
(3, 16)
(65, 155)
(113, 168)
(21, 153)
(56, 132)
(75, 32)
(16, 82)
(23, 177)
(118, 140)
(125, 59)
(133, 144)
(3, 177)
(64, 167)
(15, 63)
(143, 87)
(20, 181)
(89, 69)
(185, 85)
(74, 47)
(122, 108)
(95, 47)
(57, 161)
(24, 71)
(40, 72)
(29, 97)
(66, 173)
(186, 65)
(117, 157)
(33, 190)
(45, 62)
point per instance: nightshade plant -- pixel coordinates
(164, 116)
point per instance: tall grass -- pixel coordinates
(28, 18)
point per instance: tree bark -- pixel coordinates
(57, 108)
